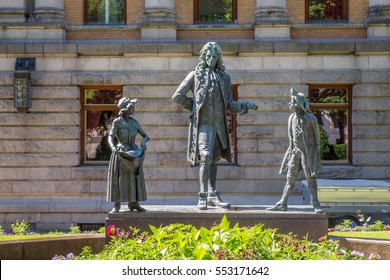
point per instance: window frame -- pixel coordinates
(344, 106)
(345, 14)
(86, 5)
(83, 118)
(234, 14)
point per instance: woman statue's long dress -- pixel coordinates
(126, 181)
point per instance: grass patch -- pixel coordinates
(4, 238)
(362, 234)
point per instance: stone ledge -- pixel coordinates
(126, 48)
(47, 248)
(366, 246)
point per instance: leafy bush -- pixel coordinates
(324, 144)
(22, 228)
(220, 242)
(340, 151)
(74, 229)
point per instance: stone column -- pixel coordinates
(12, 11)
(378, 19)
(159, 20)
(271, 19)
(49, 11)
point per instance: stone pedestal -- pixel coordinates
(378, 19)
(299, 219)
(271, 19)
(159, 20)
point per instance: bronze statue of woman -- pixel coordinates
(126, 181)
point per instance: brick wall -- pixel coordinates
(184, 11)
(90, 34)
(324, 33)
(215, 34)
(245, 11)
(74, 12)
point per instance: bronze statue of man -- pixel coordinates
(208, 132)
(303, 152)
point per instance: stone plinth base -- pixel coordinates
(300, 220)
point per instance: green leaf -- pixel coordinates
(225, 225)
(153, 229)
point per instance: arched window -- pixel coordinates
(215, 11)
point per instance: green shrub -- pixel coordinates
(340, 151)
(74, 229)
(21, 228)
(220, 242)
(324, 144)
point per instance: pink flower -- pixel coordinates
(112, 231)
(331, 229)
(321, 239)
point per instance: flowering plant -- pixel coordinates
(112, 231)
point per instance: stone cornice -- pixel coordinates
(16, 48)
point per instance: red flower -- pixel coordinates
(112, 230)
(321, 239)
(331, 229)
(338, 253)
(386, 228)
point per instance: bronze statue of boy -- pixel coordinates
(303, 152)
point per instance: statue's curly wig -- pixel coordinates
(201, 67)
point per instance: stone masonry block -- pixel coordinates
(51, 78)
(331, 76)
(35, 173)
(7, 64)
(49, 92)
(368, 90)
(371, 131)
(373, 117)
(100, 49)
(375, 76)
(280, 76)
(243, 63)
(22, 133)
(123, 64)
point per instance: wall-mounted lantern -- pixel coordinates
(22, 83)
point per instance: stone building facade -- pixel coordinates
(269, 47)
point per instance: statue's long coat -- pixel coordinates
(199, 88)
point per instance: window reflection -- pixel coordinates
(99, 111)
(215, 11)
(105, 11)
(331, 107)
(327, 10)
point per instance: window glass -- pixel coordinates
(327, 9)
(105, 11)
(332, 109)
(99, 109)
(223, 11)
